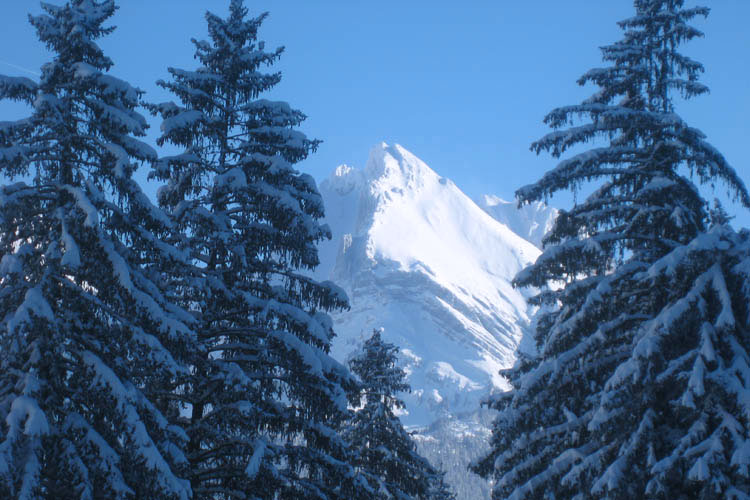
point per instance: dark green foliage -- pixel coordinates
(575, 426)
(90, 346)
(265, 397)
(382, 448)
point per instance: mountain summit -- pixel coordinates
(424, 262)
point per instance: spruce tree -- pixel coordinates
(90, 347)
(382, 447)
(675, 414)
(265, 397)
(575, 425)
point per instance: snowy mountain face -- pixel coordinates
(531, 221)
(424, 262)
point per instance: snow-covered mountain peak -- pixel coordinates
(413, 217)
(422, 260)
(492, 200)
(390, 171)
(405, 236)
(394, 171)
(531, 221)
(344, 179)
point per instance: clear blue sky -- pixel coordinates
(464, 85)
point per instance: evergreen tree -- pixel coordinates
(674, 417)
(382, 446)
(574, 426)
(90, 347)
(265, 396)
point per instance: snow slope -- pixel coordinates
(530, 221)
(420, 259)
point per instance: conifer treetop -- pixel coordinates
(266, 398)
(381, 447)
(628, 395)
(644, 198)
(70, 31)
(90, 341)
(377, 368)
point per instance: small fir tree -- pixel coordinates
(265, 396)
(574, 427)
(90, 347)
(382, 447)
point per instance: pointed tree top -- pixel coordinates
(70, 30)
